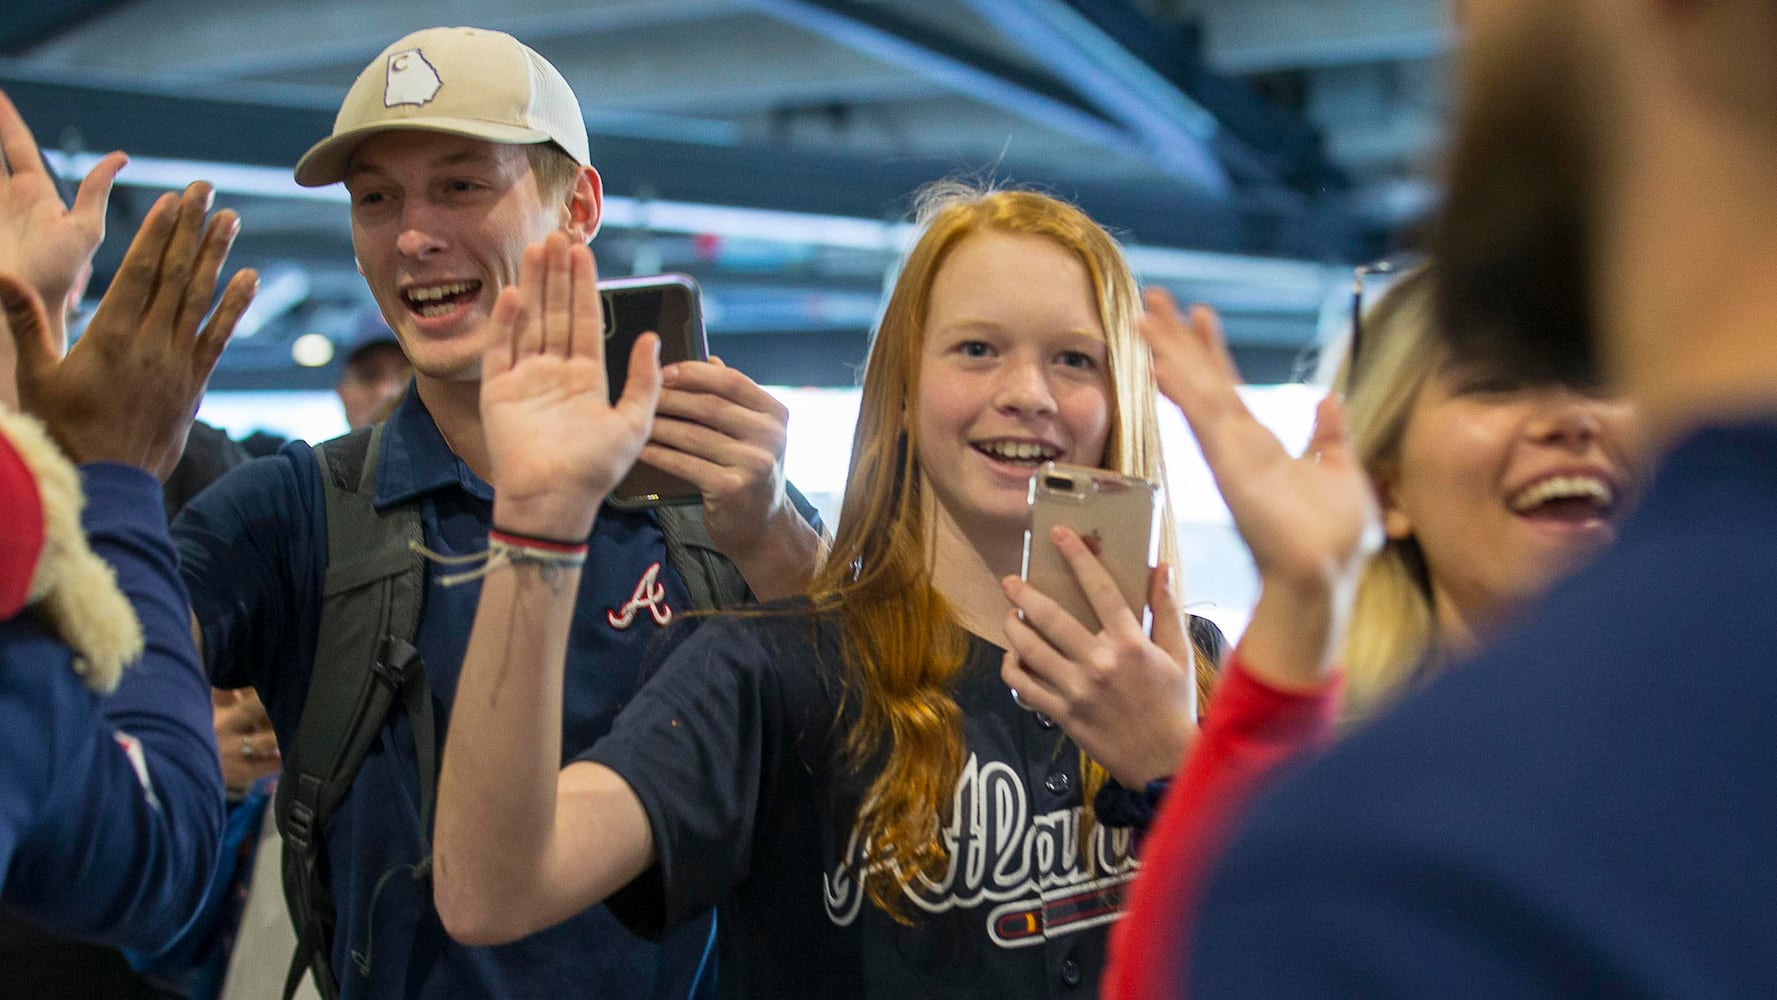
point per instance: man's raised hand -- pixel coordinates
(556, 443)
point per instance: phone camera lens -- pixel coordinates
(1058, 483)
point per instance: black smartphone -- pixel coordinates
(669, 305)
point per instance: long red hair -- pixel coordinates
(903, 647)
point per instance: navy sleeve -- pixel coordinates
(1288, 918)
(252, 552)
(697, 746)
(1373, 872)
(804, 507)
(124, 793)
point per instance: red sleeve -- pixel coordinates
(1250, 730)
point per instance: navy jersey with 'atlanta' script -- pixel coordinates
(734, 751)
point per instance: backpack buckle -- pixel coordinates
(299, 826)
(394, 662)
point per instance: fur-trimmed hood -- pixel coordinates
(46, 566)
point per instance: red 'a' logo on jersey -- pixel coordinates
(650, 595)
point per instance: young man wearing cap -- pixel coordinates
(1590, 808)
(459, 148)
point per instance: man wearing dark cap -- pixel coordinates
(372, 376)
(459, 148)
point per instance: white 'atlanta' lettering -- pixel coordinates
(1001, 855)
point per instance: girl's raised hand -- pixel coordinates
(1310, 522)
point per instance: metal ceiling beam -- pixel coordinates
(732, 66)
(146, 46)
(533, 29)
(181, 127)
(190, 40)
(1149, 75)
(31, 22)
(1263, 36)
(600, 121)
(1104, 66)
(876, 30)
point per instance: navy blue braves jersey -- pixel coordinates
(254, 551)
(734, 750)
(110, 806)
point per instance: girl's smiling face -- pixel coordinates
(1013, 373)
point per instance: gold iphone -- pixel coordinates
(1117, 516)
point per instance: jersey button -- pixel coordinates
(1070, 972)
(1058, 783)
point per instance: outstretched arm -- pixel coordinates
(1310, 522)
(520, 844)
(125, 864)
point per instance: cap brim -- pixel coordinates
(325, 162)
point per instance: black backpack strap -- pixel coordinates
(712, 581)
(715, 583)
(364, 660)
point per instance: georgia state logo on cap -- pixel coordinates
(411, 79)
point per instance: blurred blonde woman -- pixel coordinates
(1474, 491)
(1490, 489)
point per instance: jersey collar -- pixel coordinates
(414, 458)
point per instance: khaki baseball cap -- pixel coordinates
(462, 81)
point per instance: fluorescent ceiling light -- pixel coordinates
(663, 216)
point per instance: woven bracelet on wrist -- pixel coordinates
(503, 549)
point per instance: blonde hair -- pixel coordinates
(1393, 632)
(903, 647)
(555, 170)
